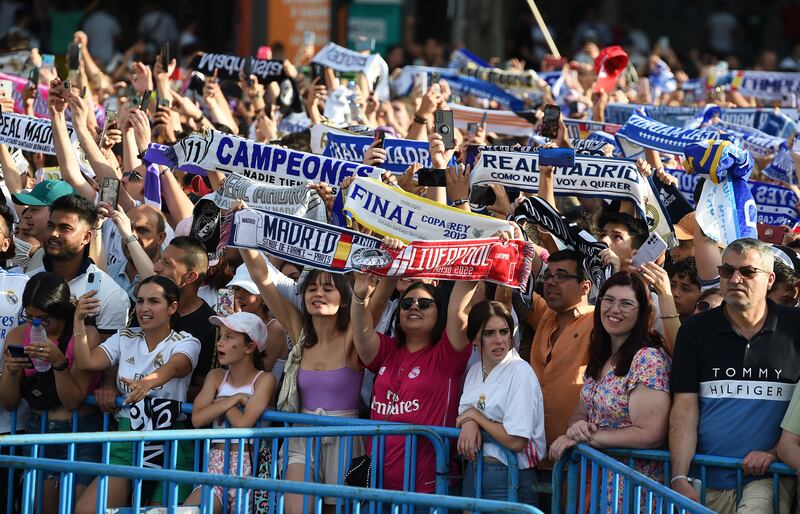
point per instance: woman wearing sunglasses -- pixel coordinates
(708, 299)
(55, 393)
(418, 372)
(624, 401)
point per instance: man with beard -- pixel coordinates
(69, 232)
(33, 220)
(149, 228)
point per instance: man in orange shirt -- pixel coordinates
(563, 320)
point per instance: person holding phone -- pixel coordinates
(625, 400)
(55, 393)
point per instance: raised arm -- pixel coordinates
(65, 153)
(365, 338)
(286, 313)
(457, 313)
(86, 357)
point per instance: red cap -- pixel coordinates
(608, 66)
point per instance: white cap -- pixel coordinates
(243, 280)
(246, 323)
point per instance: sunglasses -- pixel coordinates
(748, 272)
(132, 176)
(422, 303)
(26, 318)
(702, 306)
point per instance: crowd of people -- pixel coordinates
(152, 293)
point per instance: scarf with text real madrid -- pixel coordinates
(726, 210)
(395, 213)
(592, 176)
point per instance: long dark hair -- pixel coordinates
(641, 336)
(441, 314)
(481, 313)
(342, 316)
(50, 293)
(172, 293)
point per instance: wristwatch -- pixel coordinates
(131, 238)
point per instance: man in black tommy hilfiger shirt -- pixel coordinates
(733, 374)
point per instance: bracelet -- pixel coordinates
(419, 119)
(79, 335)
(460, 201)
(199, 119)
(670, 316)
(64, 366)
(359, 300)
(678, 477)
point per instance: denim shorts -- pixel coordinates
(495, 483)
(83, 452)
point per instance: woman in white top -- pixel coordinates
(502, 398)
(153, 361)
(235, 397)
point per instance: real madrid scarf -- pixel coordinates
(459, 85)
(767, 85)
(602, 177)
(527, 79)
(760, 144)
(30, 134)
(462, 56)
(339, 250)
(641, 131)
(761, 118)
(392, 212)
(296, 200)
(400, 153)
(343, 59)
(727, 210)
(217, 151)
(776, 205)
(782, 166)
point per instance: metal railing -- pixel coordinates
(596, 482)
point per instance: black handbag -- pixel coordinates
(360, 472)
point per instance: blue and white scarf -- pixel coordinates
(726, 210)
(760, 144)
(767, 85)
(647, 133)
(527, 79)
(460, 86)
(400, 153)
(761, 118)
(776, 205)
(782, 166)
(462, 56)
(343, 59)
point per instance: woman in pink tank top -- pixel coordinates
(323, 373)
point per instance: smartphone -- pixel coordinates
(652, 248)
(421, 79)
(482, 195)
(145, 99)
(225, 300)
(93, 282)
(134, 101)
(561, 157)
(380, 137)
(771, 233)
(552, 115)
(308, 38)
(67, 85)
(431, 177)
(74, 56)
(248, 70)
(435, 77)
(18, 352)
(33, 76)
(166, 54)
(483, 119)
(6, 89)
(163, 102)
(443, 125)
(318, 72)
(472, 128)
(363, 44)
(48, 60)
(110, 191)
(789, 100)
(111, 120)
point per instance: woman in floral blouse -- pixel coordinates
(624, 402)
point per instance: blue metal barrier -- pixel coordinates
(596, 482)
(203, 439)
(436, 503)
(703, 463)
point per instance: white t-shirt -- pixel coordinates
(128, 349)
(11, 287)
(510, 395)
(114, 302)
